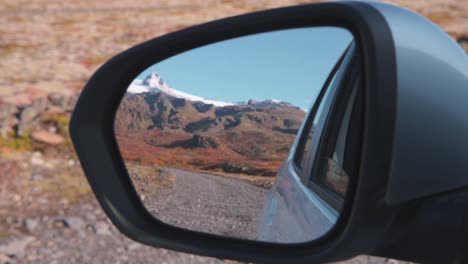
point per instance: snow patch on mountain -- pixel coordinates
(137, 87)
(153, 83)
(268, 102)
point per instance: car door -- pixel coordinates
(306, 199)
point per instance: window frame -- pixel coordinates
(300, 148)
(343, 71)
(328, 147)
(351, 80)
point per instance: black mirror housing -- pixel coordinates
(369, 223)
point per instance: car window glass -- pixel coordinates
(311, 129)
(331, 172)
(320, 115)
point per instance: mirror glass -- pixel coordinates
(211, 136)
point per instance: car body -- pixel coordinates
(298, 207)
(296, 210)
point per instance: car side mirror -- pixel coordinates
(330, 170)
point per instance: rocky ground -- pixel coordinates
(48, 49)
(83, 234)
(80, 234)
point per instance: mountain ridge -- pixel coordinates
(158, 110)
(153, 83)
(156, 128)
(156, 124)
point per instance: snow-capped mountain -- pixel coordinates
(268, 102)
(153, 83)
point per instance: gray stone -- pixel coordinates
(36, 177)
(102, 243)
(70, 103)
(10, 220)
(70, 163)
(5, 259)
(56, 99)
(31, 224)
(133, 246)
(7, 119)
(52, 130)
(65, 103)
(40, 104)
(6, 110)
(29, 116)
(101, 228)
(72, 222)
(90, 217)
(26, 119)
(36, 159)
(16, 248)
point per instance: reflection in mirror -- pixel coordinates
(206, 135)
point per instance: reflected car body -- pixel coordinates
(294, 209)
(292, 212)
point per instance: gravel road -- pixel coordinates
(209, 203)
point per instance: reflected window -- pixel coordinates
(338, 160)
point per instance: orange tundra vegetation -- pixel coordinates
(242, 139)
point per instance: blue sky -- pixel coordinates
(289, 65)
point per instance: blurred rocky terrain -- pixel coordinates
(48, 49)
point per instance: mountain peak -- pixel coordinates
(271, 102)
(153, 83)
(153, 80)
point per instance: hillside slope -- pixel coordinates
(250, 138)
